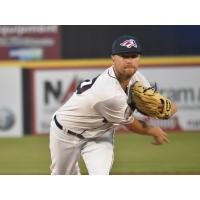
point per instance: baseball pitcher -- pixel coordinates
(85, 124)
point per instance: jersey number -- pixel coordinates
(85, 85)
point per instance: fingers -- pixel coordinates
(158, 140)
(166, 140)
(160, 136)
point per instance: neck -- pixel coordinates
(124, 84)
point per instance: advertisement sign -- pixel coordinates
(51, 89)
(10, 102)
(182, 85)
(29, 42)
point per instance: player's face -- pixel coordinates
(126, 65)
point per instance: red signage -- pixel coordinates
(29, 42)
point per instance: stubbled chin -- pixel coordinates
(130, 70)
(129, 73)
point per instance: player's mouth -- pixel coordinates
(129, 67)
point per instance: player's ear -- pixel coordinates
(113, 58)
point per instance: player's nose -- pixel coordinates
(128, 60)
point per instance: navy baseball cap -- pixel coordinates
(126, 44)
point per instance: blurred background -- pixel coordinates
(40, 67)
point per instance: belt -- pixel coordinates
(68, 131)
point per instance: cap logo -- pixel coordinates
(129, 43)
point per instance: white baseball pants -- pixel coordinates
(66, 150)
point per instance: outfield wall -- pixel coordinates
(46, 85)
(11, 109)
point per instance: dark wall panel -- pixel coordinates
(95, 41)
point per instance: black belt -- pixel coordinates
(68, 131)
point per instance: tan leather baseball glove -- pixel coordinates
(149, 101)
